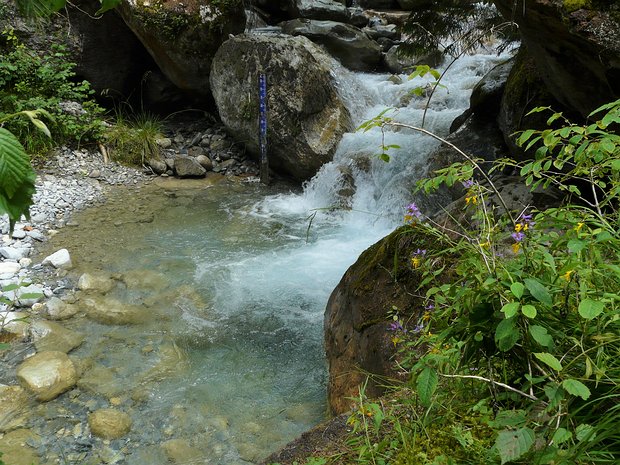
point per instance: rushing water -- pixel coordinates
(235, 278)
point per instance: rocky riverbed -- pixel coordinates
(90, 425)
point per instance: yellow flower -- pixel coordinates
(426, 316)
(518, 227)
(396, 340)
(568, 274)
(516, 247)
(415, 262)
(485, 245)
(473, 199)
(578, 227)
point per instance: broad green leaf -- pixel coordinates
(426, 385)
(561, 435)
(507, 334)
(529, 311)
(576, 388)
(590, 309)
(512, 444)
(14, 163)
(538, 291)
(576, 245)
(541, 336)
(509, 418)
(585, 432)
(549, 360)
(511, 309)
(385, 157)
(517, 289)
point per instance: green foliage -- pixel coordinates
(44, 8)
(28, 80)
(516, 358)
(133, 139)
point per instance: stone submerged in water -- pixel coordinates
(13, 407)
(47, 374)
(113, 312)
(50, 336)
(109, 423)
(15, 448)
(95, 282)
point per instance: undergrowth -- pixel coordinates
(520, 345)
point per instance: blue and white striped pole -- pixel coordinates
(262, 128)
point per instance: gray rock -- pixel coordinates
(164, 142)
(36, 235)
(388, 31)
(59, 259)
(13, 253)
(59, 310)
(205, 162)
(352, 47)
(357, 17)
(9, 268)
(187, 167)
(399, 64)
(307, 118)
(195, 151)
(18, 234)
(158, 166)
(27, 296)
(321, 10)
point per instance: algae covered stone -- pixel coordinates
(109, 423)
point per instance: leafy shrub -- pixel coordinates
(29, 81)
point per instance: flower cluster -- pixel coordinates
(524, 224)
(413, 213)
(471, 197)
(416, 257)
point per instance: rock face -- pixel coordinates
(306, 117)
(182, 37)
(47, 374)
(347, 43)
(356, 321)
(577, 51)
(109, 423)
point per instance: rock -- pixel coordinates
(50, 336)
(9, 268)
(102, 381)
(357, 342)
(399, 64)
(27, 296)
(524, 91)
(109, 423)
(113, 312)
(348, 44)
(158, 166)
(196, 151)
(377, 31)
(205, 162)
(13, 253)
(16, 449)
(18, 234)
(487, 94)
(15, 323)
(187, 167)
(14, 412)
(378, 4)
(180, 451)
(59, 310)
(171, 361)
(60, 259)
(47, 374)
(357, 17)
(577, 51)
(164, 142)
(321, 9)
(145, 280)
(307, 117)
(96, 282)
(182, 37)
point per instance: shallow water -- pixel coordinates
(234, 278)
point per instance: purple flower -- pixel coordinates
(395, 326)
(418, 328)
(413, 210)
(419, 252)
(518, 236)
(467, 184)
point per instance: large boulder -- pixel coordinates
(575, 47)
(182, 37)
(306, 116)
(321, 9)
(357, 340)
(352, 47)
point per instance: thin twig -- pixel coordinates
(494, 383)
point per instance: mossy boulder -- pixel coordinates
(182, 37)
(357, 340)
(575, 45)
(306, 115)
